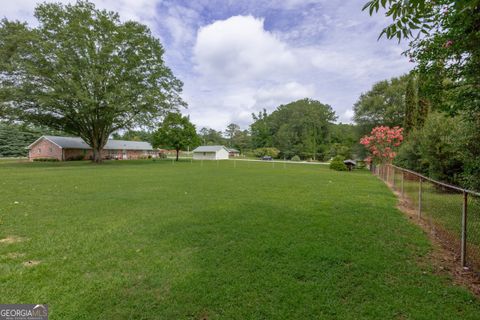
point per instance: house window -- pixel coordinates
(39, 150)
(50, 150)
(204, 153)
(84, 151)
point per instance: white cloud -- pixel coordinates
(283, 93)
(246, 68)
(239, 48)
(346, 116)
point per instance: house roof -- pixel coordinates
(233, 150)
(209, 149)
(78, 143)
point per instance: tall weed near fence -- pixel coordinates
(452, 213)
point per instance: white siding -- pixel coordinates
(219, 155)
(204, 155)
(222, 154)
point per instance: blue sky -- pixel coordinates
(238, 57)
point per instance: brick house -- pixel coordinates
(73, 148)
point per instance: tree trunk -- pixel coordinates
(178, 151)
(97, 155)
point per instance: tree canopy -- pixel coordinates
(209, 136)
(84, 72)
(384, 104)
(177, 132)
(444, 42)
(298, 128)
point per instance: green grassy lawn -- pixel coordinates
(152, 240)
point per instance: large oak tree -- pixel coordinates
(85, 72)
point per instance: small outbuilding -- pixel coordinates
(210, 153)
(350, 164)
(233, 153)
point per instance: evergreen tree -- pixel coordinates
(410, 104)
(423, 106)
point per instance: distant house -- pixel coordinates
(233, 153)
(210, 153)
(74, 148)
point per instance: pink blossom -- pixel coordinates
(382, 143)
(448, 44)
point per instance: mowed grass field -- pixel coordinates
(152, 240)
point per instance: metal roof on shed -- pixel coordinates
(78, 143)
(209, 149)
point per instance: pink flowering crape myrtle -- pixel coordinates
(382, 143)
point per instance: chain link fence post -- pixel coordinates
(403, 178)
(438, 205)
(393, 180)
(463, 253)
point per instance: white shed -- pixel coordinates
(210, 153)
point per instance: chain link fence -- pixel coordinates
(452, 213)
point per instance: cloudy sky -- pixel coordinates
(236, 57)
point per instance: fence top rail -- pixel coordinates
(437, 182)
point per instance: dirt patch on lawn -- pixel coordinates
(11, 239)
(31, 263)
(15, 255)
(444, 258)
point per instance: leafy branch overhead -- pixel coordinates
(444, 42)
(85, 72)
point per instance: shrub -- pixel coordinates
(337, 164)
(361, 164)
(46, 159)
(76, 158)
(436, 149)
(295, 158)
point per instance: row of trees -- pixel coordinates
(439, 104)
(303, 128)
(443, 145)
